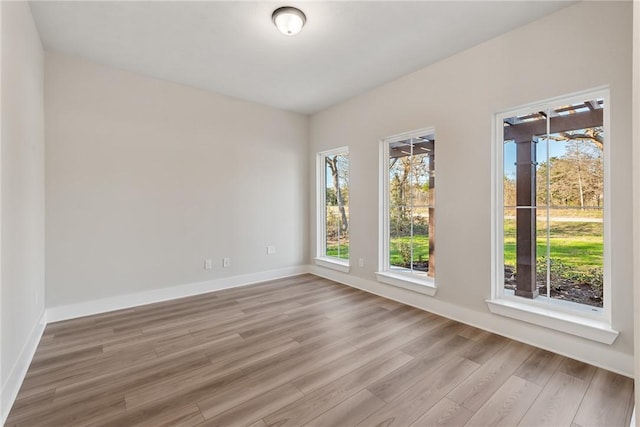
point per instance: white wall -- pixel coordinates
(22, 196)
(145, 179)
(550, 57)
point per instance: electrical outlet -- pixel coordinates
(208, 264)
(226, 262)
(360, 262)
(271, 250)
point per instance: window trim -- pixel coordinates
(569, 317)
(385, 274)
(322, 259)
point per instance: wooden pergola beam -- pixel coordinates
(424, 147)
(525, 131)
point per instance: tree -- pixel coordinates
(576, 177)
(594, 135)
(408, 187)
(399, 189)
(509, 190)
(339, 175)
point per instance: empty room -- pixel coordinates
(231, 213)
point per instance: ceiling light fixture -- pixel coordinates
(289, 20)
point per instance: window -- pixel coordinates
(333, 203)
(407, 257)
(551, 250)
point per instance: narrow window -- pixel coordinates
(553, 202)
(333, 215)
(408, 222)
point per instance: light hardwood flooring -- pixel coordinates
(303, 351)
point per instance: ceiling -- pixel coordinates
(232, 47)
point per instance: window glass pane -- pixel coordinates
(509, 173)
(521, 151)
(420, 241)
(332, 231)
(541, 252)
(560, 201)
(343, 240)
(420, 180)
(577, 255)
(411, 204)
(400, 204)
(509, 247)
(399, 181)
(399, 240)
(576, 196)
(420, 200)
(541, 147)
(337, 208)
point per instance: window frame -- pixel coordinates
(321, 258)
(570, 317)
(416, 282)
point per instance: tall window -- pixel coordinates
(333, 192)
(553, 200)
(408, 245)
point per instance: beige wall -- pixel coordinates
(22, 208)
(145, 179)
(458, 96)
(636, 181)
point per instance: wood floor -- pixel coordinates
(303, 351)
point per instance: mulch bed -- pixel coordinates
(567, 290)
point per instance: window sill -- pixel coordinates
(424, 286)
(574, 324)
(333, 263)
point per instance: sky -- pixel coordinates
(556, 149)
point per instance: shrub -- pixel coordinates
(561, 273)
(404, 249)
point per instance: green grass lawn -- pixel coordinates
(339, 251)
(578, 244)
(420, 249)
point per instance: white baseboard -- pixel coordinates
(103, 305)
(575, 348)
(12, 385)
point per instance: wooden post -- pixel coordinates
(526, 219)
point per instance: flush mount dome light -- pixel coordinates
(289, 20)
